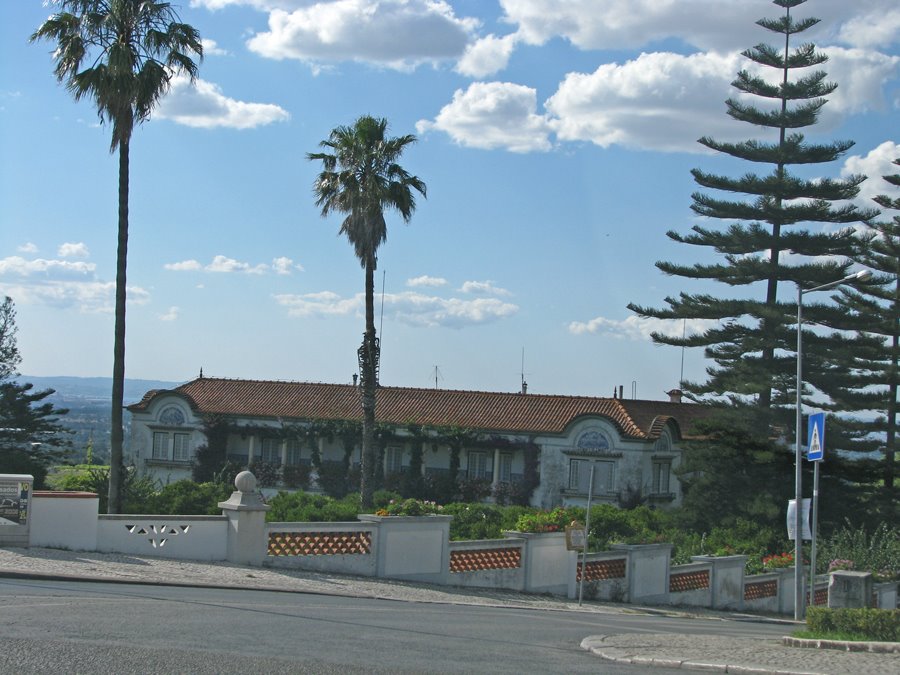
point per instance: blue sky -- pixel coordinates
(555, 137)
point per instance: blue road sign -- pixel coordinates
(816, 451)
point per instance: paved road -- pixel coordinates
(595, 637)
(105, 628)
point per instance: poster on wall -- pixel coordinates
(13, 502)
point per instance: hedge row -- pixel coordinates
(881, 625)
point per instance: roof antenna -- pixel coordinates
(683, 333)
(522, 373)
(437, 374)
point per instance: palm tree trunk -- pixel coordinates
(369, 384)
(116, 465)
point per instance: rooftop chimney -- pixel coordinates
(524, 387)
(675, 395)
(355, 377)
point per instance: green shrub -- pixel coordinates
(137, 490)
(409, 507)
(297, 507)
(185, 497)
(295, 476)
(878, 552)
(881, 625)
(544, 521)
(381, 498)
(474, 521)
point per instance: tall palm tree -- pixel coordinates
(361, 178)
(122, 55)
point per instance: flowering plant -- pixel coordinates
(778, 561)
(544, 521)
(409, 507)
(839, 564)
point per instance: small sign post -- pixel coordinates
(816, 455)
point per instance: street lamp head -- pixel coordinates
(862, 275)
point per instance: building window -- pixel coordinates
(661, 473)
(294, 450)
(182, 447)
(393, 460)
(505, 468)
(271, 450)
(592, 440)
(168, 446)
(478, 465)
(580, 476)
(172, 416)
(160, 445)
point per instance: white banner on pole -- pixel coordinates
(792, 519)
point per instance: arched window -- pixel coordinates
(592, 440)
(172, 416)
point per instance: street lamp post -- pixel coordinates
(799, 603)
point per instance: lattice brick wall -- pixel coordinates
(599, 570)
(820, 597)
(485, 559)
(688, 581)
(760, 589)
(319, 543)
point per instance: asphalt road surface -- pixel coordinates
(75, 627)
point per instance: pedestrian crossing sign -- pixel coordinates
(816, 435)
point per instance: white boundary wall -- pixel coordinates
(415, 549)
(178, 537)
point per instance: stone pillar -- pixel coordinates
(247, 533)
(412, 548)
(284, 453)
(546, 561)
(648, 572)
(850, 589)
(727, 580)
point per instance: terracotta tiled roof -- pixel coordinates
(480, 410)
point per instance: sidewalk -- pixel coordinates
(691, 652)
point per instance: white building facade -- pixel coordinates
(549, 443)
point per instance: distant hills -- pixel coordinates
(88, 401)
(93, 389)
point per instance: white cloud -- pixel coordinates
(221, 263)
(715, 25)
(324, 303)
(411, 308)
(170, 315)
(393, 33)
(486, 56)
(202, 104)
(69, 250)
(28, 247)
(861, 77)
(16, 266)
(659, 101)
(878, 28)
(639, 328)
(491, 115)
(426, 280)
(285, 266)
(61, 284)
(877, 163)
(211, 48)
(183, 266)
(224, 264)
(483, 288)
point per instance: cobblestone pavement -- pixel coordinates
(730, 655)
(692, 652)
